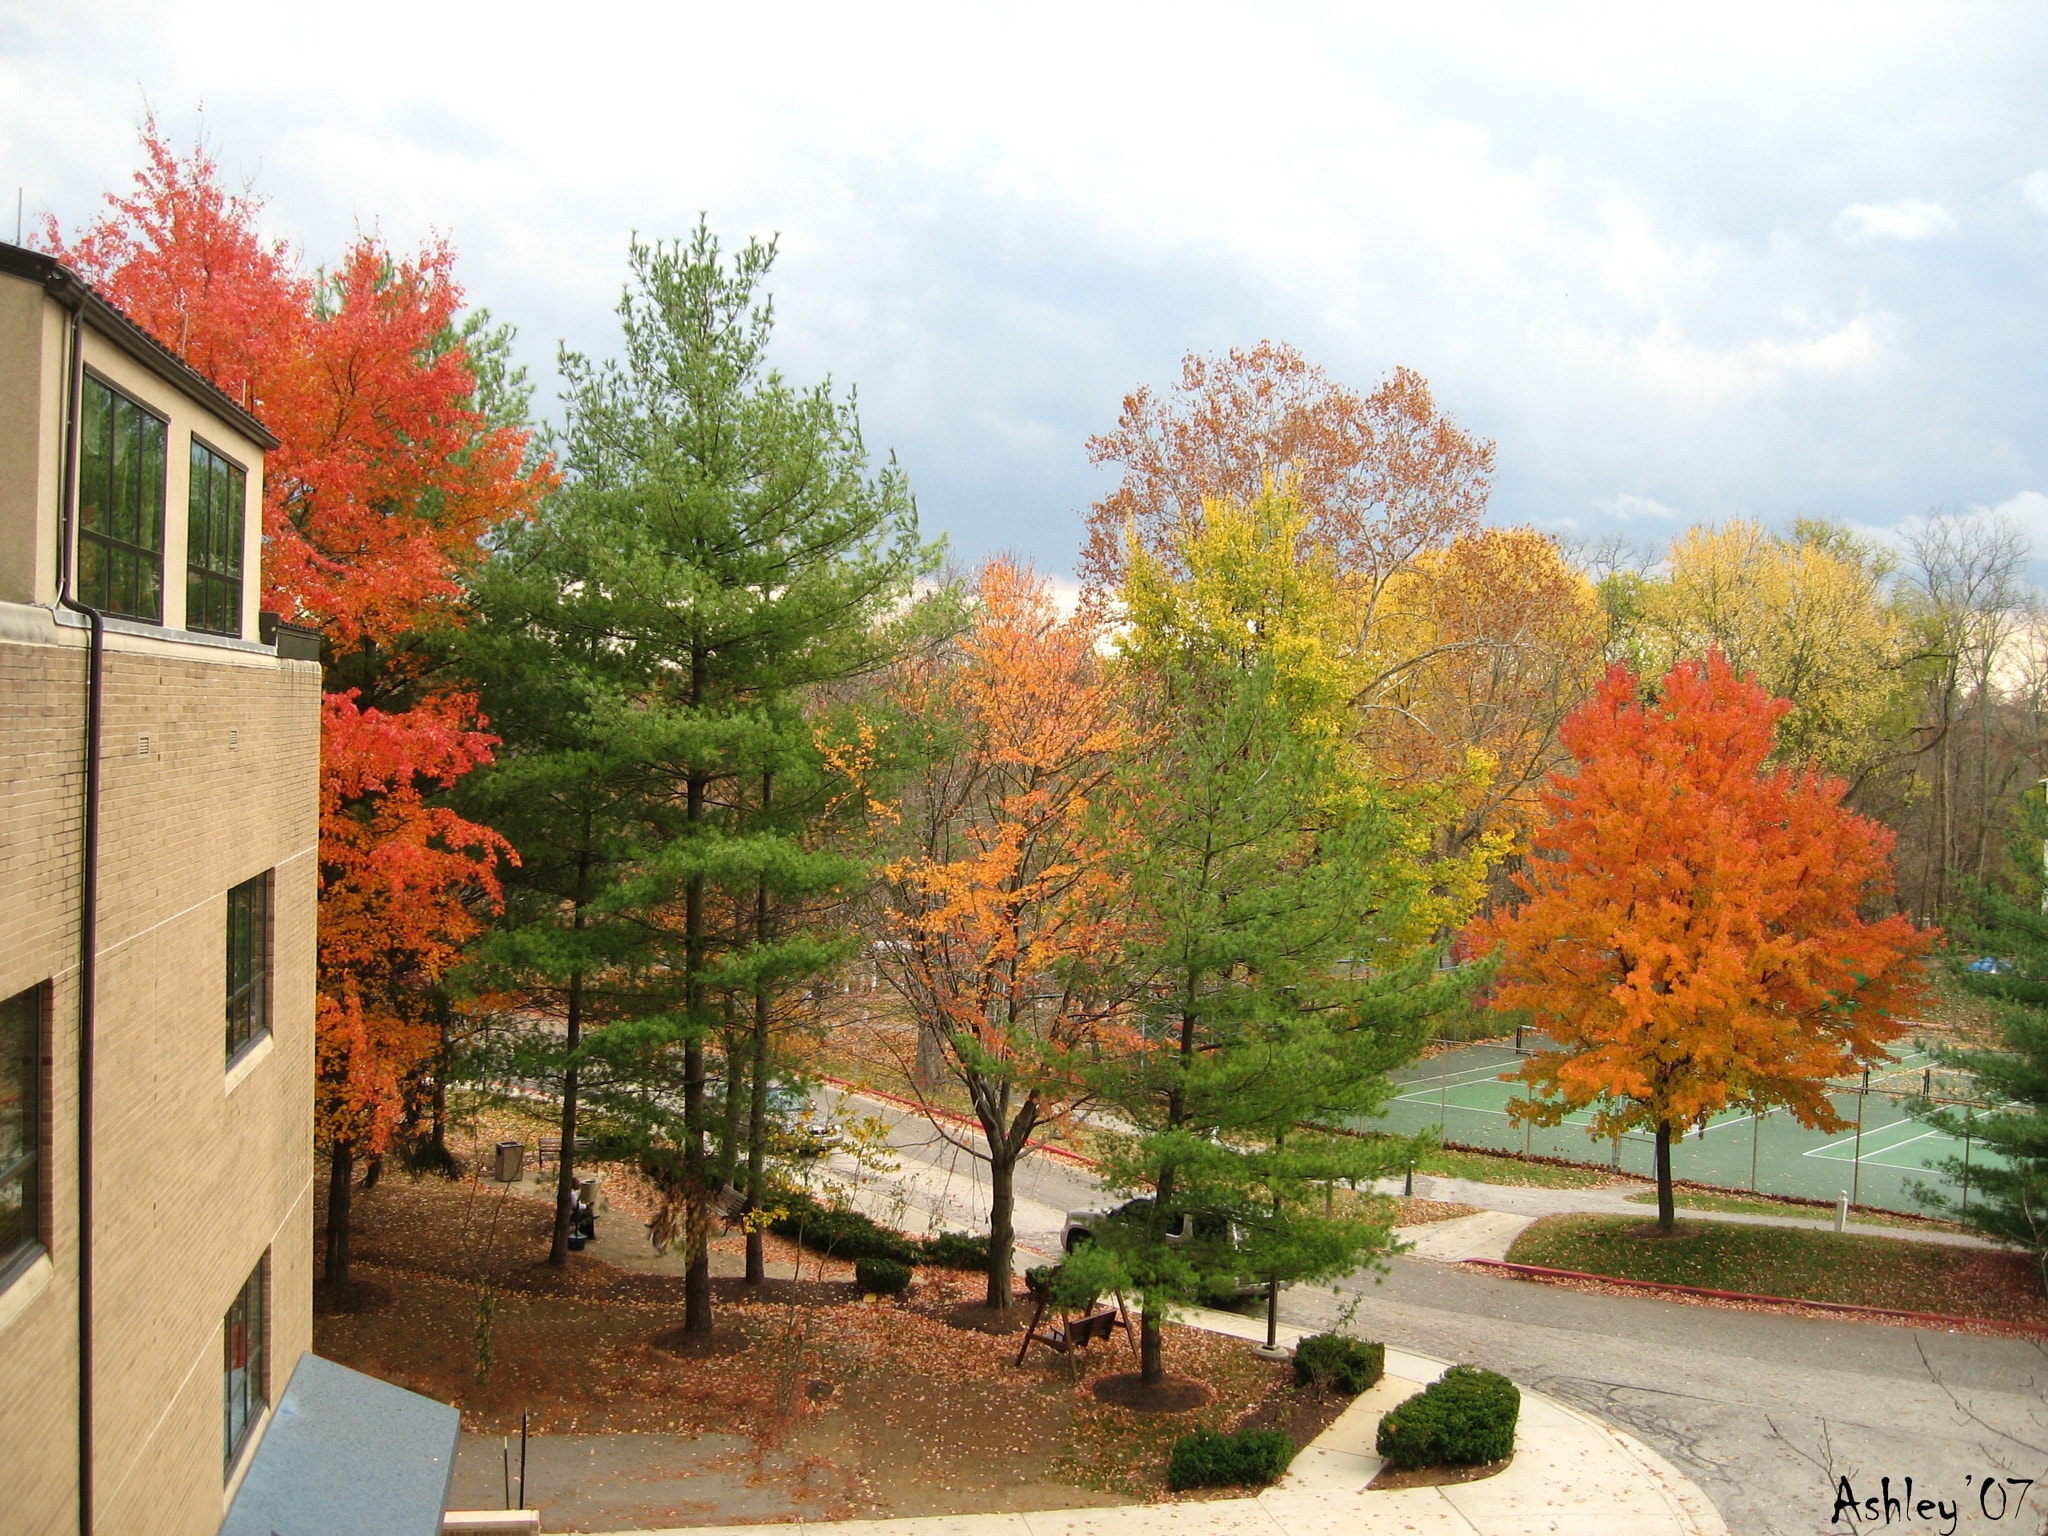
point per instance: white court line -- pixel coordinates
(1868, 1136)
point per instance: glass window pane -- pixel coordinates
(95, 446)
(236, 495)
(248, 938)
(121, 504)
(121, 488)
(21, 1077)
(151, 455)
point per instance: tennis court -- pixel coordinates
(1460, 1095)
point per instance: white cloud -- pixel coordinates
(2033, 189)
(1631, 508)
(1907, 219)
(1697, 376)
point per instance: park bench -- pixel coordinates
(551, 1146)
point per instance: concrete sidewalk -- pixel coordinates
(1571, 1474)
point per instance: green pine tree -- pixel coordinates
(721, 547)
(2008, 1118)
(1273, 899)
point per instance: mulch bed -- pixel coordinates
(1391, 1477)
(898, 1408)
(1172, 1394)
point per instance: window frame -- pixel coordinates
(242, 1410)
(109, 547)
(33, 1165)
(200, 574)
(249, 993)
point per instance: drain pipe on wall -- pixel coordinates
(89, 885)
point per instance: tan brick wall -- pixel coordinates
(193, 1182)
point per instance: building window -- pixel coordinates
(121, 505)
(213, 544)
(244, 1367)
(21, 1128)
(248, 963)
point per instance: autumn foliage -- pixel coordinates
(388, 476)
(1007, 897)
(1692, 935)
(1380, 477)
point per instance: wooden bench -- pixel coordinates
(551, 1146)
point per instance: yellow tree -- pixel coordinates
(1808, 616)
(1005, 900)
(1509, 636)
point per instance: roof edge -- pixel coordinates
(71, 290)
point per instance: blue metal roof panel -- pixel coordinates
(347, 1455)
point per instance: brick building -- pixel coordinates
(162, 909)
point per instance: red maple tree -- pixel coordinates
(388, 476)
(1692, 937)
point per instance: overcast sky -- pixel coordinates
(1678, 262)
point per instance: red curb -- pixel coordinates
(1850, 1308)
(954, 1116)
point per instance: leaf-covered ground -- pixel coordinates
(875, 1409)
(1780, 1261)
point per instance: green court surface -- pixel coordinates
(1461, 1096)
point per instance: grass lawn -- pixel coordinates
(1490, 1168)
(862, 1410)
(1789, 1261)
(1756, 1205)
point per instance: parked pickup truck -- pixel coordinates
(1181, 1226)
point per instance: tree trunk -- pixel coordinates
(737, 1053)
(565, 1177)
(1667, 1210)
(929, 1069)
(697, 1282)
(340, 1185)
(442, 1160)
(757, 1141)
(1151, 1362)
(1002, 1233)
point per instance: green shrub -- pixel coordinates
(956, 1250)
(1206, 1459)
(882, 1277)
(1465, 1420)
(1336, 1363)
(841, 1233)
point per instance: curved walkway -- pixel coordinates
(1570, 1474)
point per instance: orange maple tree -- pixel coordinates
(389, 475)
(1691, 936)
(1005, 902)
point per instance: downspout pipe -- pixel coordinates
(89, 883)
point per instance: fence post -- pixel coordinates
(1842, 1212)
(1755, 1125)
(1856, 1166)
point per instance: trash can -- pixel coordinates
(511, 1159)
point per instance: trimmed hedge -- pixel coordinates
(1465, 1420)
(1337, 1363)
(841, 1233)
(955, 1250)
(881, 1277)
(1206, 1459)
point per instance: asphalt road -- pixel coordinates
(1767, 1413)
